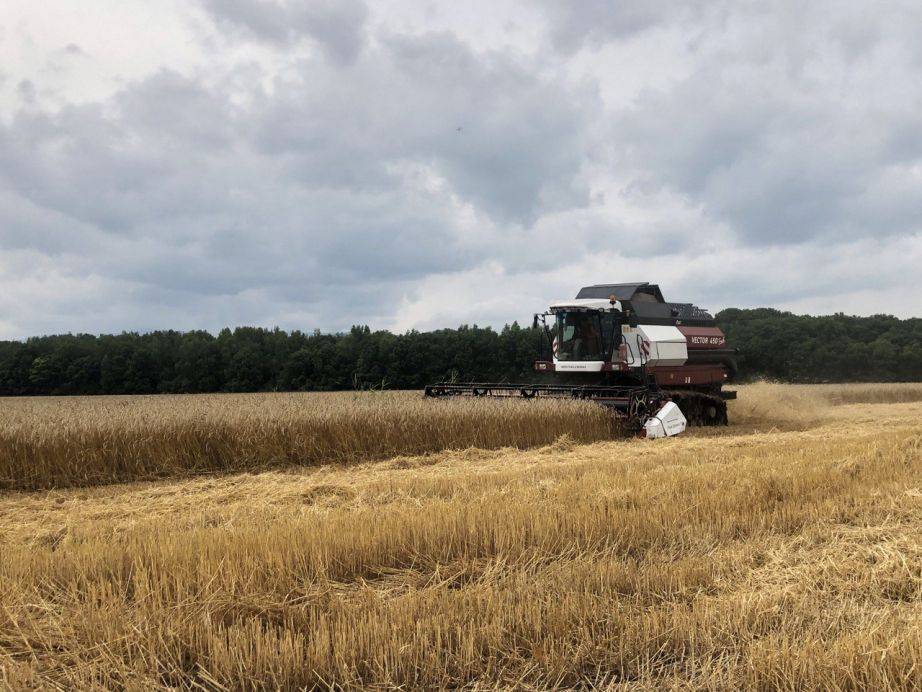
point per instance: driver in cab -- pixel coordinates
(587, 343)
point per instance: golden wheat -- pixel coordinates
(765, 555)
(66, 441)
(60, 442)
(872, 393)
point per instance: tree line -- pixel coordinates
(830, 348)
(773, 344)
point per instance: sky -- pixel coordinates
(195, 164)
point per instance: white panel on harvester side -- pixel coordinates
(664, 345)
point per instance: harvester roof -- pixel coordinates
(647, 302)
(645, 291)
(576, 304)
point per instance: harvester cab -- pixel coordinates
(584, 334)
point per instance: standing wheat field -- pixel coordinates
(63, 441)
(54, 442)
(781, 552)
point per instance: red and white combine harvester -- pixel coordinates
(659, 366)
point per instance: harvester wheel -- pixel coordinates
(700, 408)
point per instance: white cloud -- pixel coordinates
(426, 164)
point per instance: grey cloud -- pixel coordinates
(779, 184)
(27, 226)
(796, 30)
(337, 25)
(312, 192)
(791, 123)
(574, 24)
(316, 188)
(77, 163)
(159, 150)
(519, 151)
(784, 155)
(26, 91)
(171, 110)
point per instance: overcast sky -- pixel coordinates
(410, 164)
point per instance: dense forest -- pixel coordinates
(772, 344)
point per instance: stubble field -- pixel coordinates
(782, 551)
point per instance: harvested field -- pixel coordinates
(783, 551)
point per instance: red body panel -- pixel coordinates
(690, 375)
(703, 337)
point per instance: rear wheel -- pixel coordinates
(700, 409)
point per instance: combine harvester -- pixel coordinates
(658, 366)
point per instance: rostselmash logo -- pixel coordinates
(674, 425)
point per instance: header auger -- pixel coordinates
(656, 365)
